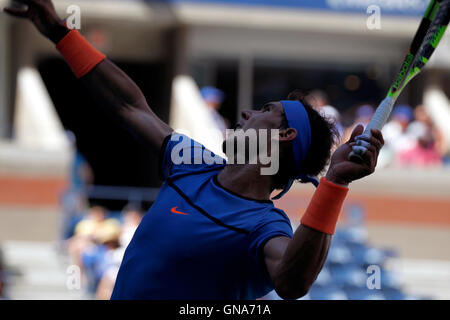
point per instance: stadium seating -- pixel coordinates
(348, 273)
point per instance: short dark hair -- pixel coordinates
(323, 137)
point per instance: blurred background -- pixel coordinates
(74, 186)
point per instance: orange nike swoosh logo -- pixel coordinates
(174, 210)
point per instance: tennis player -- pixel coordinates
(213, 231)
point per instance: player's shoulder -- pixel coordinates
(273, 222)
(278, 214)
(271, 214)
(185, 150)
(181, 155)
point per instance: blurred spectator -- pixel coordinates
(422, 154)
(424, 151)
(98, 246)
(92, 223)
(106, 284)
(318, 99)
(85, 233)
(362, 116)
(132, 216)
(80, 172)
(421, 116)
(74, 198)
(96, 260)
(407, 142)
(214, 98)
(394, 132)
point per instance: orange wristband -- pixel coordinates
(323, 211)
(81, 56)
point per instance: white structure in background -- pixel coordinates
(438, 107)
(40, 145)
(435, 100)
(190, 115)
(42, 273)
(36, 123)
(427, 278)
(440, 58)
(3, 76)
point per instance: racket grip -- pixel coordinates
(377, 122)
(381, 115)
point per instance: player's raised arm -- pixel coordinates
(109, 85)
(294, 264)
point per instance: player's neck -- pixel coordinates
(246, 181)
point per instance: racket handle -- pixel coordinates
(377, 122)
(381, 115)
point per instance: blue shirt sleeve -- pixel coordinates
(181, 154)
(273, 224)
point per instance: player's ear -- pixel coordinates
(288, 134)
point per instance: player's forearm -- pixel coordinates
(106, 82)
(302, 262)
(113, 89)
(119, 96)
(307, 251)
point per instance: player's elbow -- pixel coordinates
(290, 290)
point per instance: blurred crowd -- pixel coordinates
(94, 237)
(411, 137)
(355, 269)
(97, 245)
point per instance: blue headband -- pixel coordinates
(297, 118)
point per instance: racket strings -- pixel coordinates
(435, 32)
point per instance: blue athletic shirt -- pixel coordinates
(199, 240)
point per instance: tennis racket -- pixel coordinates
(430, 32)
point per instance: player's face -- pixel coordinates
(268, 117)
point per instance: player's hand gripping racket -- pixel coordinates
(427, 38)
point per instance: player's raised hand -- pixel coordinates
(344, 171)
(43, 15)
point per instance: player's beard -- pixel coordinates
(236, 149)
